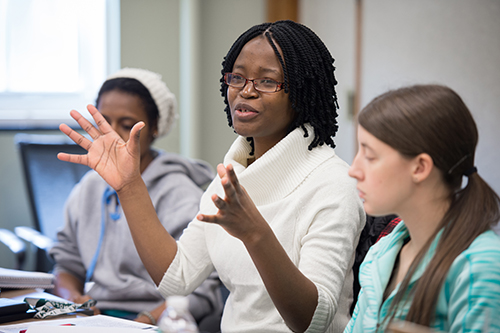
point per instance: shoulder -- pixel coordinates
(388, 242)
(333, 171)
(482, 254)
(170, 164)
(472, 287)
(476, 271)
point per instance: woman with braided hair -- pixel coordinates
(440, 266)
(281, 220)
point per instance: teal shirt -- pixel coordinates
(469, 300)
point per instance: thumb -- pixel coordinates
(135, 136)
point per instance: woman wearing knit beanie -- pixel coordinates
(95, 254)
(281, 220)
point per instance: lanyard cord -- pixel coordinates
(106, 199)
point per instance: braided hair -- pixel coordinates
(308, 72)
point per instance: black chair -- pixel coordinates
(15, 246)
(48, 182)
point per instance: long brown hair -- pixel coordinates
(433, 119)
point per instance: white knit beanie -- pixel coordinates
(164, 99)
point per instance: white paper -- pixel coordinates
(98, 323)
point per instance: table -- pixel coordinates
(21, 294)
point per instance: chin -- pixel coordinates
(374, 211)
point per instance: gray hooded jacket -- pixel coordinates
(121, 282)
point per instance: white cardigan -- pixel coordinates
(313, 208)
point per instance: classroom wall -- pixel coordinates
(450, 42)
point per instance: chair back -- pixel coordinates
(48, 180)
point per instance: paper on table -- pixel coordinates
(80, 329)
(98, 321)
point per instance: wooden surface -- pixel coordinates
(282, 10)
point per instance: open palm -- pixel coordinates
(115, 160)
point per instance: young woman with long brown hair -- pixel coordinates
(440, 267)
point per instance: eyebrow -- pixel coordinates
(126, 118)
(367, 147)
(262, 69)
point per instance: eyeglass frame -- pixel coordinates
(279, 85)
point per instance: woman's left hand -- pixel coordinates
(237, 213)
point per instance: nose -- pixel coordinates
(114, 126)
(355, 171)
(117, 128)
(248, 90)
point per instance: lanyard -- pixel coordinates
(106, 199)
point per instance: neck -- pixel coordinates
(423, 218)
(424, 211)
(146, 159)
(261, 145)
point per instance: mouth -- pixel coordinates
(244, 108)
(245, 111)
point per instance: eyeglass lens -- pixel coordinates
(263, 85)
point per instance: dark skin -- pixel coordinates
(117, 161)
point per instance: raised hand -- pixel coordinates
(117, 161)
(237, 213)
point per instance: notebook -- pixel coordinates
(11, 310)
(16, 279)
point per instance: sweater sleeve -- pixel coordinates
(328, 247)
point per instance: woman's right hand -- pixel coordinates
(117, 161)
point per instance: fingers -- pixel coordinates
(73, 158)
(101, 123)
(207, 218)
(232, 176)
(85, 124)
(221, 170)
(220, 204)
(230, 182)
(76, 137)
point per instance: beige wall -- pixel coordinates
(150, 40)
(450, 42)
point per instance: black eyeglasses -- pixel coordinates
(262, 85)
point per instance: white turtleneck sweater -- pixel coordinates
(312, 206)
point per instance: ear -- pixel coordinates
(422, 167)
(154, 131)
